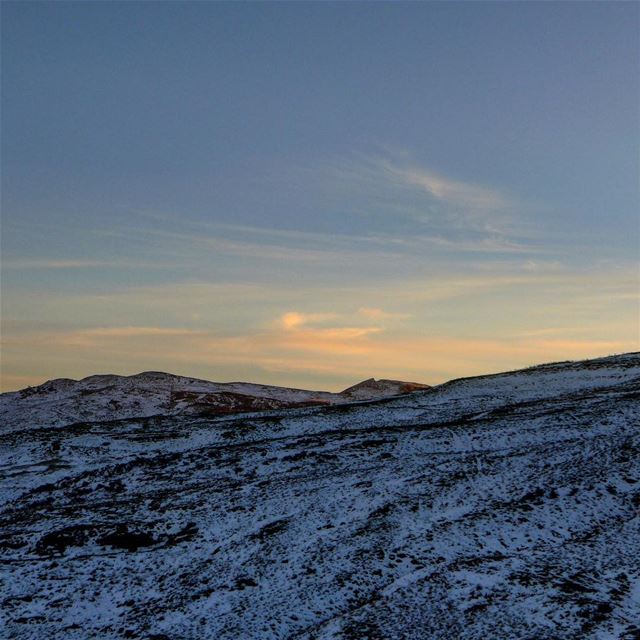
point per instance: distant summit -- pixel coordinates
(372, 389)
(154, 393)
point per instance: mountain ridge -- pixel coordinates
(153, 393)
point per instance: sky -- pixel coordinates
(310, 194)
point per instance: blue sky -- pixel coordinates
(311, 193)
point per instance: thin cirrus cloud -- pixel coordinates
(362, 255)
(380, 314)
(501, 286)
(448, 190)
(94, 335)
(20, 264)
(458, 220)
(291, 245)
(397, 176)
(390, 192)
(247, 249)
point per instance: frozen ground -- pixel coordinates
(496, 507)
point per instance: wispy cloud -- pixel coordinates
(379, 314)
(382, 197)
(455, 192)
(278, 252)
(315, 247)
(295, 320)
(128, 332)
(553, 331)
(393, 183)
(94, 335)
(25, 263)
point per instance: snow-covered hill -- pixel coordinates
(503, 506)
(109, 397)
(371, 389)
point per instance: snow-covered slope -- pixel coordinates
(109, 397)
(502, 506)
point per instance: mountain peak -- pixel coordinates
(372, 388)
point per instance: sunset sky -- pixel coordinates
(309, 194)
